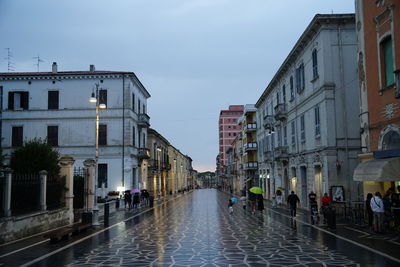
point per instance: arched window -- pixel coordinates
(391, 140)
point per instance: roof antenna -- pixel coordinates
(10, 64)
(332, 11)
(38, 60)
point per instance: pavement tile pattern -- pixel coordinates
(197, 230)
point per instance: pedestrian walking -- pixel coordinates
(369, 210)
(136, 201)
(127, 199)
(379, 211)
(260, 202)
(252, 199)
(230, 206)
(292, 200)
(243, 200)
(325, 203)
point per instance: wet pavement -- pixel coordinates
(197, 230)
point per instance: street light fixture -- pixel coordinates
(95, 98)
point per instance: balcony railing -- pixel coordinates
(166, 166)
(281, 153)
(143, 153)
(143, 120)
(280, 112)
(154, 164)
(250, 146)
(268, 122)
(251, 165)
(251, 127)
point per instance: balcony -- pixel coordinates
(268, 122)
(281, 153)
(143, 120)
(250, 146)
(165, 166)
(280, 112)
(250, 127)
(143, 153)
(251, 165)
(154, 165)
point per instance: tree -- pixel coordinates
(34, 156)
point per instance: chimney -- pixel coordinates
(54, 67)
(92, 68)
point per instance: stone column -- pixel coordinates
(7, 192)
(43, 189)
(67, 170)
(90, 165)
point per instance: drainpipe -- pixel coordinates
(123, 129)
(343, 96)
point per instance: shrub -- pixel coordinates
(34, 156)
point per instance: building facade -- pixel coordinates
(378, 32)
(250, 147)
(55, 106)
(306, 115)
(228, 130)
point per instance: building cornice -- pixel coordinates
(309, 33)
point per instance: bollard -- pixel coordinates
(106, 214)
(117, 204)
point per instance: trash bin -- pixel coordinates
(117, 203)
(151, 201)
(86, 217)
(331, 217)
(106, 214)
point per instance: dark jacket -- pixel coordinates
(293, 199)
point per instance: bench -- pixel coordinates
(66, 231)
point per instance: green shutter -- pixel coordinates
(387, 46)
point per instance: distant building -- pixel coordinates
(55, 106)
(378, 33)
(228, 130)
(248, 124)
(306, 115)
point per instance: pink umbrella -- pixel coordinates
(135, 191)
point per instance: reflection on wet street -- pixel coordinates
(197, 230)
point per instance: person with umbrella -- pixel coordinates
(253, 192)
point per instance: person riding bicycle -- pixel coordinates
(312, 197)
(325, 203)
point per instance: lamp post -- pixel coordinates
(95, 98)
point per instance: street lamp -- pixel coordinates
(95, 98)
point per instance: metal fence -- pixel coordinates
(55, 192)
(25, 193)
(350, 213)
(79, 188)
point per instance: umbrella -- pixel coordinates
(135, 191)
(256, 190)
(234, 200)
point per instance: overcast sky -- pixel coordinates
(195, 57)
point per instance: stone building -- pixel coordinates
(306, 115)
(55, 106)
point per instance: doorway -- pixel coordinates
(304, 190)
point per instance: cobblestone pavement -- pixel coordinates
(197, 230)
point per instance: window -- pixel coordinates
(285, 135)
(103, 96)
(291, 88)
(317, 122)
(138, 105)
(52, 135)
(387, 60)
(279, 137)
(293, 126)
(234, 134)
(139, 133)
(17, 136)
(134, 136)
(278, 100)
(300, 79)
(391, 141)
(284, 94)
(229, 134)
(302, 129)
(102, 175)
(133, 102)
(315, 63)
(52, 100)
(102, 134)
(144, 140)
(18, 100)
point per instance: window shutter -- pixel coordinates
(11, 100)
(25, 100)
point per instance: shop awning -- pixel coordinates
(379, 170)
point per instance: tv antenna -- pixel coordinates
(10, 64)
(38, 61)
